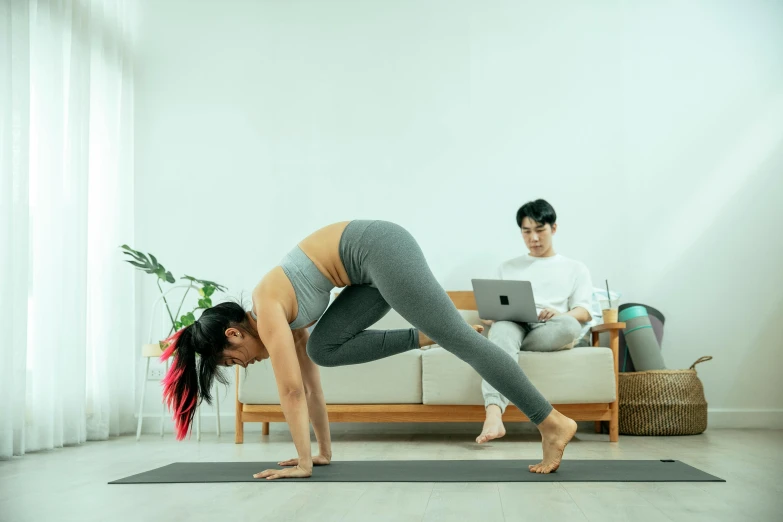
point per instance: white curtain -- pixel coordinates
(66, 204)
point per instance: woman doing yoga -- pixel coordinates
(381, 267)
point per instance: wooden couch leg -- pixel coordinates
(598, 427)
(239, 436)
(264, 428)
(614, 424)
(239, 429)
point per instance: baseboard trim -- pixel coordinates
(724, 418)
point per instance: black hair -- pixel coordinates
(539, 211)
(190, 378)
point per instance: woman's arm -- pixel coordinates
(279, 341)
(316, 404)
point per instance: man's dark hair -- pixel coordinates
(539, 211)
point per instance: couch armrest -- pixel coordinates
(614, 334)
(607, 327)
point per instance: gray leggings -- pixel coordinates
(387, 270)
(558, 333)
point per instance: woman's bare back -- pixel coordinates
(322, 247)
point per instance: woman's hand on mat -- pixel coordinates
(318, 460)
(547, 314)
(295, 472)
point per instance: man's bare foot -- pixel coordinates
(493, 425)
(426, 341)
(557, 430)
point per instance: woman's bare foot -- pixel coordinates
(493, 425)
(426, 341)
(557, 430)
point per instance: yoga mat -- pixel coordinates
(432, 471)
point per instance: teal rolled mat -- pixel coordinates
(640, 339)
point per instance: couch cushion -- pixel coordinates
(577, 376)
(393, 320)
(394, 380)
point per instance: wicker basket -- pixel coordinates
(662, 402)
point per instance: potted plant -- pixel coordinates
(150, 265)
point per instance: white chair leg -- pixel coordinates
(163, 416)
(141, 404)
(217, 407)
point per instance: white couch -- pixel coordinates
(432, 385)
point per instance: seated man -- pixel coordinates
(562, 289)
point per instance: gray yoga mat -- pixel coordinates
(433, 471)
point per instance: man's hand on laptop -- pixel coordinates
(547, 313)
(487, 322)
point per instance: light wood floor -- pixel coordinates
(71, 483)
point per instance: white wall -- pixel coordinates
(655, 130)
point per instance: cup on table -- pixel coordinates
(609, 315)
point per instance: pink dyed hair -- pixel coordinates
(182, 404)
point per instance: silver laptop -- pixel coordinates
(505, 300)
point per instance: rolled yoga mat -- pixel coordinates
(641, 340)
(432, 471)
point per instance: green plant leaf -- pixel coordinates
(141, 260)
(155, 261)
(205, 303)
(208, 290)
(205, 282)
(140, 255)
(188, 319)
(169, 277)
(201, 292)
(134, 256)
(137, 258)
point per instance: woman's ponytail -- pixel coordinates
(180, 385)
(197, 350)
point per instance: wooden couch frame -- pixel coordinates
(464, 300)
